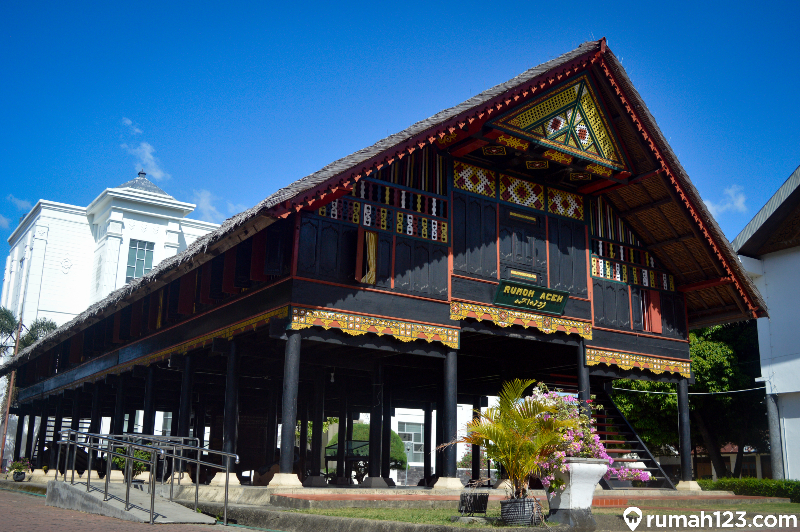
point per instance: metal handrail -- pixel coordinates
(88, 444)
(160, 448)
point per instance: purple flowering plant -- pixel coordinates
(580, 439)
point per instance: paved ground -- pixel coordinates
(27, 512)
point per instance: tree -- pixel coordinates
(37, 330)
(8, 330)
(397, 455)
(521, 433)
(724, 358)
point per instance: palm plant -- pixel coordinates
(521, 433)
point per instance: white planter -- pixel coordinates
(573, 505)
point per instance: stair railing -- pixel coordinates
(163, 447)
(639, 441)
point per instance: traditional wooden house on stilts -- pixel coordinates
(543, 229)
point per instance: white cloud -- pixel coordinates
(205, 206)
(236, 208)
(733, 200)
(131, 126)
(145, 159)
(21, 204)
(3, 222)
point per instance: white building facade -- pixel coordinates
(63, 257)
(769, 249)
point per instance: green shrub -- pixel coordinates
(136, 466)
(758, 487)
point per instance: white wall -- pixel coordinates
(775, 276)
(789, 410)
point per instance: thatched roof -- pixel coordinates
(342, 173)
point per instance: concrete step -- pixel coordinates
(75, 497)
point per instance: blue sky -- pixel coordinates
(223, 104)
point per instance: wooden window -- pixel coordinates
(567, 241)
(420, 267)
(474, 231)
(327, 249)
(367, 261)
(651, 311)
(611, 304)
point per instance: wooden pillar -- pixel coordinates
(318, 420)
(149, 417)
(185, 402)
(450, 417)
(75, 422)
(584, 393)
(386, 437)
(427, 434)
(131, 427)
(42, 434)
(94, 419)
(57, 421)
(272, 422)
(18, 438)
(375, 426)
(685, 440)
(231, 407)
(348, 464)
(341, 449)
(303, 443)
(30, 441)
(118, 422)
(200, 420)
(476, 449)
(291, 380)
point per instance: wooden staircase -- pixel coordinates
(624, 445)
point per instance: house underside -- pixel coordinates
(543, 229)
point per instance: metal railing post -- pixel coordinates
(153, 474)
(227, 472)
(172, 476)
(58, 457)
(128, 477)
(89, 468)
(109, 460)
(196, 479)
(74, 456)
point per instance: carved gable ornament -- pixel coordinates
(570, 119)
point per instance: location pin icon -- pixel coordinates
(632, 517)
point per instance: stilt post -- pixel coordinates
(231, 407)
(149, 419)
(291, 380)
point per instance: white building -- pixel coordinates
(769, 249)
(64, 257)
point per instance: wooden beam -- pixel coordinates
(709, 283)
(645, 207)
(596, 186)
(680, 238)
(468, 147)
(630, 181)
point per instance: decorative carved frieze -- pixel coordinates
(631, 361)
(504, 317)
(356, 324)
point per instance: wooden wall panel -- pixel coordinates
(474, 233)
(611, 304)
(567, 240)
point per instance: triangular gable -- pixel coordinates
(568, 118)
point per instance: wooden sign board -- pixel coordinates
(524, 296)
